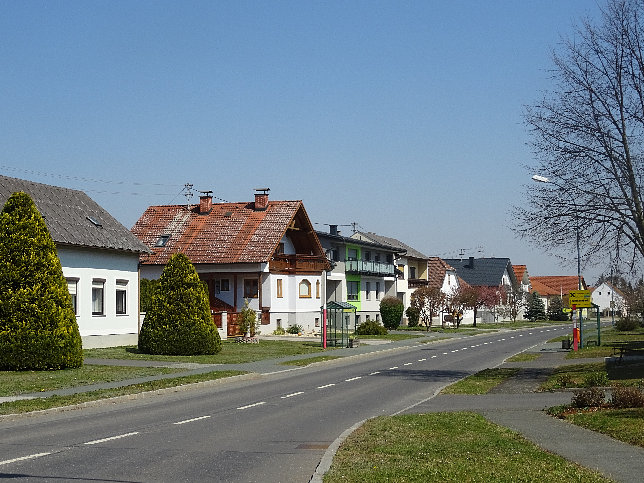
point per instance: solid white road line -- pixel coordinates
(293, 394)
(23, 458)
(191, 420)
(112, 438)
(252, 405)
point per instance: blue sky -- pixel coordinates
(405, 117)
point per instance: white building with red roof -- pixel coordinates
(266, 252)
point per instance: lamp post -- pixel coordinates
(542, 179)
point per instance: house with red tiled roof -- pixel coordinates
(522, 277)
(263, 251)
(549, 287)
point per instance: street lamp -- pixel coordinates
(542, 179)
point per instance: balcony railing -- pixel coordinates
(417, 282)
(297, 263)
(369, 268)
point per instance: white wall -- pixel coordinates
(86, 265)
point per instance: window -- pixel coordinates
(225, 285)
(72, 287)
(317, 289)
(121, 297)
(367, 290)
(280, 249)
(412, 272)
(305, 289)
(402, 271)
(98, 290)
(352, 254)
(279, 288)
(352, 290)
(162, 240)
(367, 256)
(377, 257)
(390, 258)
(377, 290)
(317, 321)
(217, 286)
(377, 317)
(251, 288)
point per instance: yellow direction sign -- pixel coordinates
(580, 298)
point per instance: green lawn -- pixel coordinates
(231, 353)
(610, 337)
(481, 382)
(524, 357)
(60, 401)
(13, 383)
(442, 447)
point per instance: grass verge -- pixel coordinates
(309, 360)
(628, 373)
(481, 382)
(610, 336)
(524, 357)
(458, 446)
(231, 353)
(626, 425)
(28, 405)
(13, 383)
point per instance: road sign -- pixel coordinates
(580, 298)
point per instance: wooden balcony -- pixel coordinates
(417, 282)
(298, 264)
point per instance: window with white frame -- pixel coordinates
(72, 287)
(367, 290)
(121, 297)
(353, 289)
(305, 289)
(98, 293)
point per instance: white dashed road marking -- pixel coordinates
(191, 420)
(252, 405)
(292, 394)
(353, 379)
(112, 438)
(23, 458)
(408, 364)
(374, 373)
(392, 368)
(325, 386)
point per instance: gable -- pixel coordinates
(483, 272)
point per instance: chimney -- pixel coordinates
(261, 199)
(333, 229)
(470, 264)
(205, 202)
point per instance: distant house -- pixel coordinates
(363, 272)
(411, 264)
(549, 287)
(443, 276)
(99, 257)
(485, 272)
(266, 252)
(608, 297)
(522, 277)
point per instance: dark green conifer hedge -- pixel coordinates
(38, 328)
(178, 320)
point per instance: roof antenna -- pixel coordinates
(188, 192)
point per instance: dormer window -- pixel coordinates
(162, 240)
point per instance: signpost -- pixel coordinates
(580, 298)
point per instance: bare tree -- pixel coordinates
(587, 136)
(429, 301)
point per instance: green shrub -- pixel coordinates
(38, 328)
(147, 288)
(295, 329)
(596, 379)
(371, 327)
(178, 321)
(247, 320)
(626, 324)
(565, 380)
(391, 311)
(588, 398)
(627, 397)
(413, 316)
(279, 331)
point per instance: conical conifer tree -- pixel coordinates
(178, 321)
(38, 328)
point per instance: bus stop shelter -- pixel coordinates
(340, 324)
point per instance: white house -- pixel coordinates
(607, 297)
(99, 257)
(266, 252)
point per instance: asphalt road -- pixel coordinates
(274, 428)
